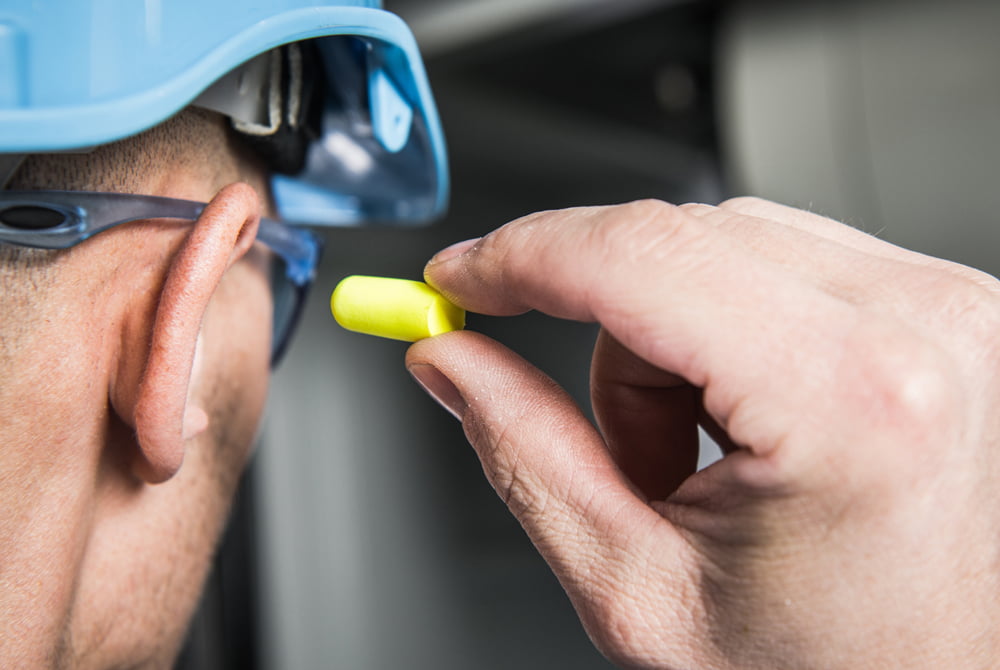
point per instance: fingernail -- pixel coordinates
(440, 388)
(454, 250)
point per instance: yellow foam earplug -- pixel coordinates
(399, 309)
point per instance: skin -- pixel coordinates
(133, 383)
(852, 384)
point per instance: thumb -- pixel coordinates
(553, 470)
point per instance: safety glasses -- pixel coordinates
(63, 219)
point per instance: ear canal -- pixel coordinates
(224, 232)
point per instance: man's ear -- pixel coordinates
(156, 403)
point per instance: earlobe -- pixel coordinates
(162, 414)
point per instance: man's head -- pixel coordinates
(134, 361)
(100, 399)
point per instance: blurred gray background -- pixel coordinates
(366, 536)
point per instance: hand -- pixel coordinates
(854, 521)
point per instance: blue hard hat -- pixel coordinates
(79, 73)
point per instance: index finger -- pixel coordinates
(666, 284)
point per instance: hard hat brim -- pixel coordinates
(71, 88)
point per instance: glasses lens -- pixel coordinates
(286, 296)
(293, 266)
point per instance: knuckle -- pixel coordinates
(910, 385)
(616, 633)
(643, 230)
(648, 208)
(631, 630)
(709, 213)
(616, 642)
(973, 308)
(652, 216)
(638, 214)
(745, 204)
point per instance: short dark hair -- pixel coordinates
(119, 166)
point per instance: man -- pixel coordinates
(853, 384)
(98, 403)
(139, 322)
